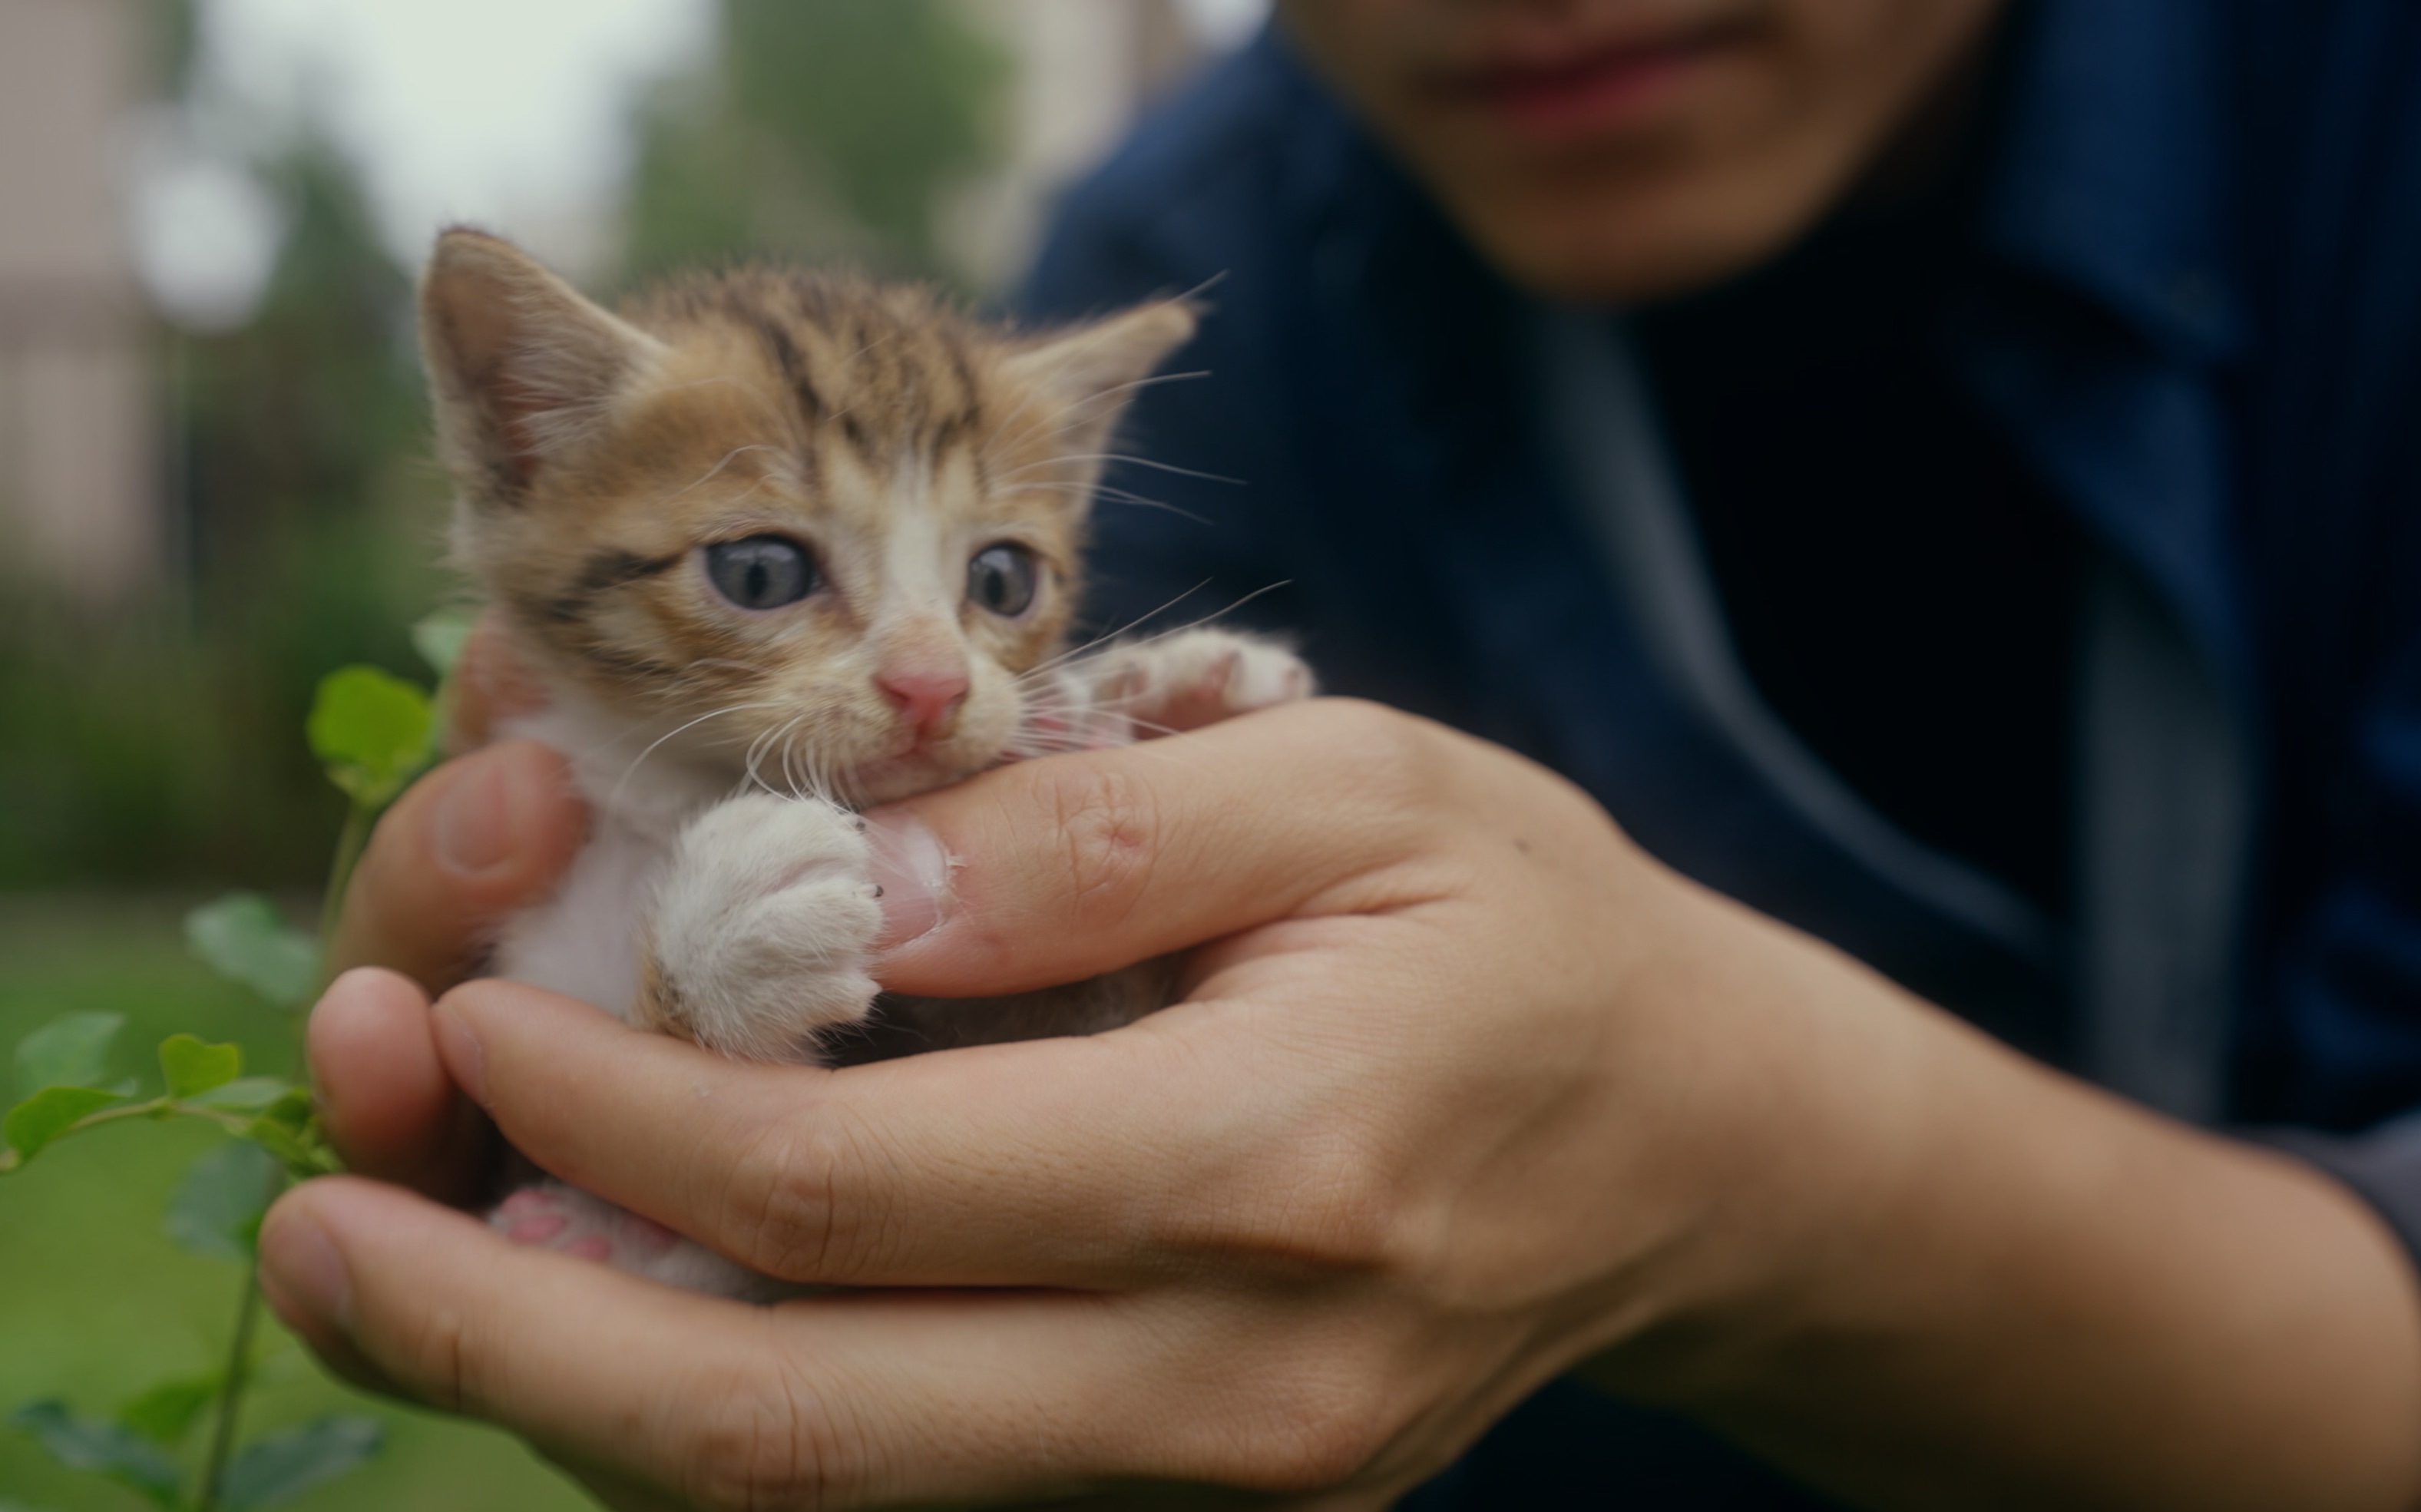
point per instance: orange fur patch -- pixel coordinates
(887, 432)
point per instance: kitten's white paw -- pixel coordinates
(569, 1220)
(764, 926)
(1192, 678)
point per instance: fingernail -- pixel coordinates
(475, 817)
(912, 870)
(459, 1047)
(301, 1271)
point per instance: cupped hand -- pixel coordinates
(1394, 1160)
(1463, 1090)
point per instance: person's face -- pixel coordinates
(1619, 150)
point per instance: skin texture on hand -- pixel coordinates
(1464, 1092)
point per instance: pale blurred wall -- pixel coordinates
(80, 501)
(1084, 67)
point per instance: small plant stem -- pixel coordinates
(234, 1123)
(231, 1390)
(351, 842)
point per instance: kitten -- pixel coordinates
(780, 546)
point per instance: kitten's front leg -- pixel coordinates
(764, 926)
(1182, 683)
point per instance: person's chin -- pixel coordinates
(1615, 259)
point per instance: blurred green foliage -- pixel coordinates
(101, 1302)
(156, 744)
(820, 128)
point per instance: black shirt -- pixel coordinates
(1901, 592)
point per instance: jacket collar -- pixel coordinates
(2111, 180)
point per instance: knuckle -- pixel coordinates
(1318, 1428)
(1109, 833)
(444, 1359)
(1319, 1210)
(765, 1442)
(789, 1209)
(1399, 764)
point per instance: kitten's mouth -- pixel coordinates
(917, 769)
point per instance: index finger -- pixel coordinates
(869, 1399)
(816, 1175)
(1064, 868)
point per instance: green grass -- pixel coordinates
(96, 1304)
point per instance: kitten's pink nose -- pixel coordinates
(927, 697)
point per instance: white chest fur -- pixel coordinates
(589, 940)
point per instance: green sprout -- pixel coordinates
(373, 733)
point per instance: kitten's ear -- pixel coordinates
(1090, 372)
(522, 368)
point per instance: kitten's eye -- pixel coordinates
(1001, 577)
(761, 572)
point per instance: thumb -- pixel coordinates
(1063, 868)
(477, 840)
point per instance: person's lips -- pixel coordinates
(1597, 89)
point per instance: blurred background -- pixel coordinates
(214, 482)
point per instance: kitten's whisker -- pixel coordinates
(1097, 334)
(764, 742)
(850, 362)
(1122, 457)
(630, 771)
(707, 477)
(750, 757)
(1053, 663)
(1114, 495)
(780, 745)
(1157, 636)
(1060, 417)
(705, 663)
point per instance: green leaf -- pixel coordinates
(165, 1414)
(290, 1130)
(278, 1467)
(103, 1447)
(301, 1149)
(370, 730)
(193, 1067)
(245, 938)
(217, 1209)
(293, 1111)
(7, 1505)
(70, 1051)
(440, 639)
(34, 1123)
(248, 1094)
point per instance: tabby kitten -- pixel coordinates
(779, 546)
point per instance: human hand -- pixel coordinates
(1463, 1092)
(1312, 1229)
(478, 839)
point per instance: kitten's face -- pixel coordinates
(824, 526)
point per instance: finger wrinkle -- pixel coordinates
(783, 1198)
(755, 1435)
(1110, 828)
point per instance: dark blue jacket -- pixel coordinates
(2193, 308)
